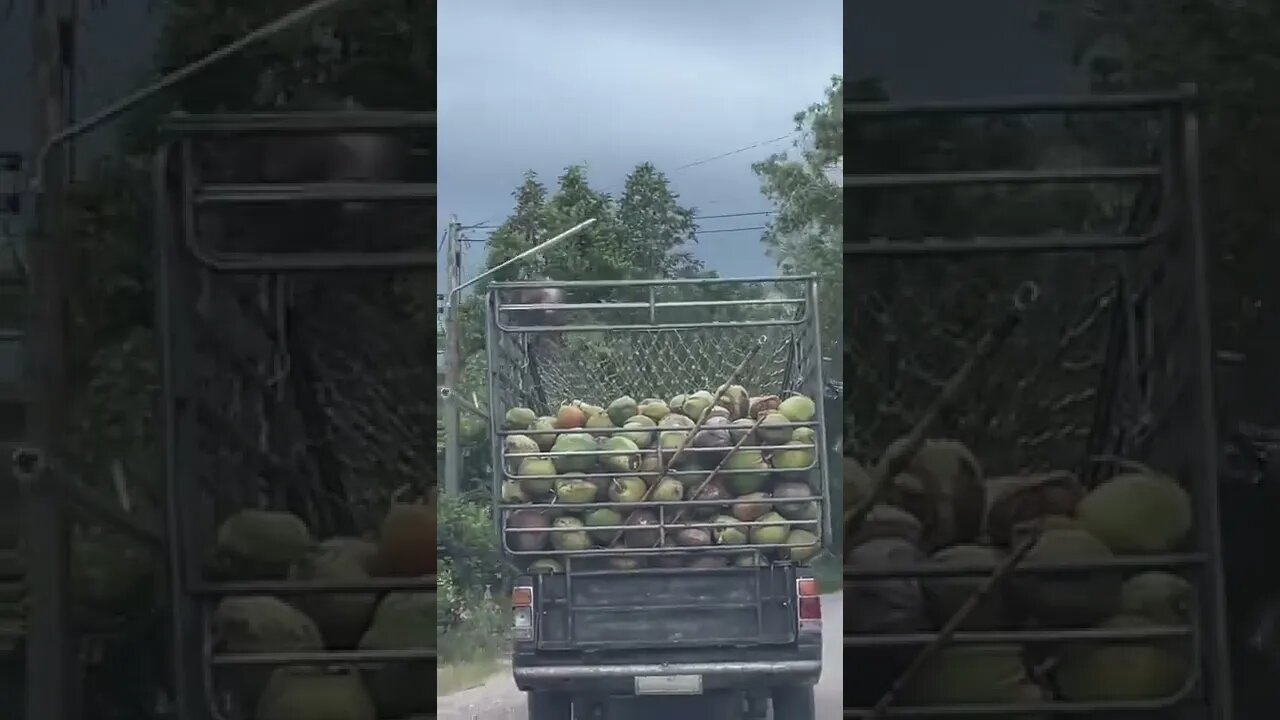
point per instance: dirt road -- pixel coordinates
(499, 699)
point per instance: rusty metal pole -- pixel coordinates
(44, 515)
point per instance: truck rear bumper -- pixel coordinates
(620, 679)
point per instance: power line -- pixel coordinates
(695, 217)
(738, 229)
(721, 156)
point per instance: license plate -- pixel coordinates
(669, 685)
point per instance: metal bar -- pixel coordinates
(996, 245)
(515, 284)
(660, 326)
(223, 124)
(224, 193)
(279, 587)
(1026, 105)
(1129, 562)
(452, 359)
(1001, 177)
(325, 658)
(288, 21)
(283, 262)
(648, 305)
(1020, 636)
(1210, 523)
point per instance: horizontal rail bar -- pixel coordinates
(1132, 562)
(1027, 104)
(1019, 636)
(295, 122)
(745, 667)
(1001, 177)
(701, 549)
(315, 262)
(654, 503)
(648, 326)
(564, 431)
(516, 284)
(646, 306)
(220, 193)
(336, 657)
(282, 587)
(997, 245)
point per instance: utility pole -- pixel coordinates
(50, 692)
(452, 357)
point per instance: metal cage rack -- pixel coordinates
(1126, 376)
(292, 378)
(654, 338)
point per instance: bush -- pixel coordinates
(471, 561)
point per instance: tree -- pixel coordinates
(806, 233)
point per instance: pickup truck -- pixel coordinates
(720, 618)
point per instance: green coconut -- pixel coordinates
(624, 454)
(735, 399)
(729, 531)
(773, 429)
(1161, 597)
(798, 408)
(1138, 512)
(541, 433)
(697, 403)
(599, 425)
(513, 444)
(519, 418)
(341, 617)
(945, 595)
(536, 487)
(575, 489)
(260, 624)
(773, 532)
(306, 693)
(745, 482)
(639, 430)
(971, 675)
(1070, 599)
(740, 428)
(796, 459)
(545, 566)
(653, 408)
(575, 442)
(261, 544)
(602, 517)
(402, 621)
(1125, 670)
(622, 409)
(571, 534)
(805, 546)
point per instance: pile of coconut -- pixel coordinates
(273, 545)
(943, 511)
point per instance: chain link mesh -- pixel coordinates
(541, 370)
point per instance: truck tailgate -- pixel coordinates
(666, 607)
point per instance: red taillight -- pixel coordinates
(522, 613)
(522, 596)
(808, 602)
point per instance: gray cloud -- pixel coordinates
(610, 84)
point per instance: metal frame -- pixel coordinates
(1179, 223)
(180, 259)
(805, 315)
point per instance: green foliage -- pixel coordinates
(468, 542)
(806, 234)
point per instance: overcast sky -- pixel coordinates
(614, 83)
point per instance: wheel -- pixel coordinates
(549, 706)
(794, 702)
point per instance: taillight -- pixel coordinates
(808, 603)
(522, 612)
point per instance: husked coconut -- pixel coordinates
(1012, 501)
(943, 487)
(1138, 512)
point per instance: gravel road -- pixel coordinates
(499, 699)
